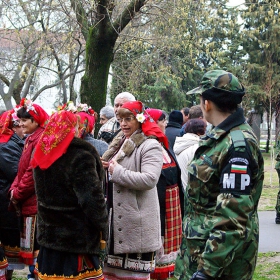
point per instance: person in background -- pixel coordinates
(185, 146)
(11, 146)
(173, 127)
(72, 214)
(106, 113)
(87, 123)
(277, 167)
(169, 189)
(185, 112)
(33, 119)
(111, 128)
(225, 184)
(134, 163)
(195, 112)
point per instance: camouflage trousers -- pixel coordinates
(241, 267)
(278, 195)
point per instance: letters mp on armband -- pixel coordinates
(237, 181)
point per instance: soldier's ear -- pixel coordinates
(208, 105)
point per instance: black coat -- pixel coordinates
(71, 205)
(10, 153)
(172, 131)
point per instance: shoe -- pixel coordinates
(277, 219)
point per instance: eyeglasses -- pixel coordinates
(126, 120)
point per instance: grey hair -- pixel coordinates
(126, 95)
(107, 111)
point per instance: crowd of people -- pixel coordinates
(154, 196)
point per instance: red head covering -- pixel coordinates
(154, 113)
(149, 127)
(6, 125)
(55, 139)
(87, 121)
(37, 112)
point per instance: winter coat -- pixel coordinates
(10, 153)
(23, 185)
(136, 215)
(72, 212)
(172, 131)
(184, 149)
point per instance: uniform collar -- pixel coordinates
(235, 119)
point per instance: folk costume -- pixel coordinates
(132, 199)
(11, 146)
(72, 214)
(169, 189)
(24, 200)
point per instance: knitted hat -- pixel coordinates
(176, 116)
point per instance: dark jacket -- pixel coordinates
(71, 206)
(23, 185)
(10, 153)
(99, 145)
(172, 130)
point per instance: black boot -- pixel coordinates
(277, 219)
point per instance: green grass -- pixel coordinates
(271, 185)
(268, 266)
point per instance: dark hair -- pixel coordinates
(23, 114)
(195, 112)
(224, 104)
(186, 111)
(162, 116)
(196, 126)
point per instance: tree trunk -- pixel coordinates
(99, 55)
(268, 133)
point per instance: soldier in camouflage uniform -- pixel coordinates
(221, 227)
(277, 167)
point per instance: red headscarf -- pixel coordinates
(37, 112)
(87, 121)
(154, 113)
(149, 127)
(6, 125)
(55, 139)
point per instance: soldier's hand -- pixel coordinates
(201, 276)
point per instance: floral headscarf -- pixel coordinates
(36, 111)
(55, 139)
(6, 125)
(149, 127)
(87, 122)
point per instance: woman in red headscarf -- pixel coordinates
(134, 162)
(87, 123)
(33, 119)
(72, 214)
(170, 200)
(11, 146)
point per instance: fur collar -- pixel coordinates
(133, 142)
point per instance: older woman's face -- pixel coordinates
(129, 124)
(103, 119)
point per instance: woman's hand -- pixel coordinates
(104, 163)
(113, 163)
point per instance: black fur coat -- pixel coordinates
(71, 207)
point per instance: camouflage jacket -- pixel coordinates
(224, 188)
(277, 153)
